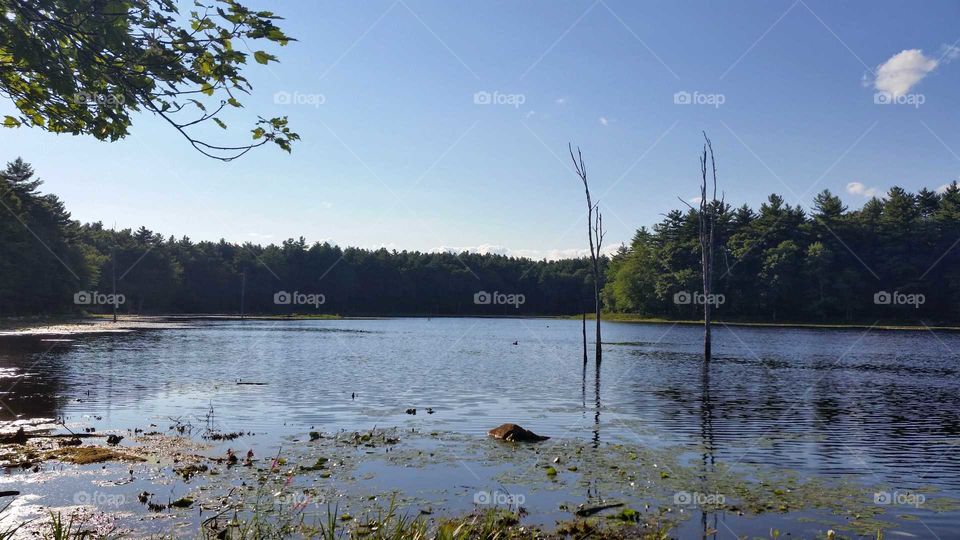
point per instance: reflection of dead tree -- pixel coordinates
(707, 217)
(594, 235)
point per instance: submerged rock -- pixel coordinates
(515, 433)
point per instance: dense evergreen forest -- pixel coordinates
(46, 258)
(780, 263)
(894, 259)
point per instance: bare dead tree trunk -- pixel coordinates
(598, 235)
(583, 319)
(594, 229)
(708, 225)
(707, 218)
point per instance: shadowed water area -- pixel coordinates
(878, 408)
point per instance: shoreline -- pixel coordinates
(103, 324)
(825, 326)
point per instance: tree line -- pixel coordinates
(780, 263)
(50, 263)
(896, 258)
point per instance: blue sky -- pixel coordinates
(397, 152)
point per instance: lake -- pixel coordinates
(874, 407)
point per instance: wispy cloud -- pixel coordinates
(604, 121)
(560, 101)
(949, 53)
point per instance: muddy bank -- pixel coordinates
(85, 326)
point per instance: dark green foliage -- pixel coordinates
(42, 261)
(781, 264)
(778, 264)
(85, 66)
(158, 275)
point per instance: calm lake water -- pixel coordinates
(878, 406)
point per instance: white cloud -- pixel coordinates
(260, 236)
(857, 188)
(603, 120)
(388, 246)
(903, 71)
(560, 101)
(695, 200)
(534, 254)
(529, 114)
(943, 189)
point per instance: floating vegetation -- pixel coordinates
(657, 489)
(85, 455)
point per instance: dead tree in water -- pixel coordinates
(583, 320)
(707, 217)
(594, 235)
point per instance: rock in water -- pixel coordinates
(515, 433)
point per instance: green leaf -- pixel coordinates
(10, 122)
(262, 57)
(220, 123)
